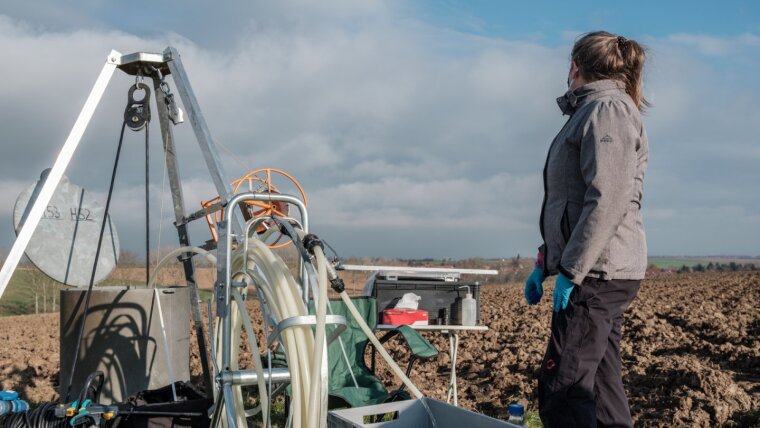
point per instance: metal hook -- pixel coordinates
(163, 85)
(158, 72)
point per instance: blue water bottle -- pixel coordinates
(516, 414)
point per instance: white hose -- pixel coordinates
(315, 391)
(282, 294)
(167, 348)
(263, 397)
(304, 349)
(174, 253)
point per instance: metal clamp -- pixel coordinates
(249, 377)
(338, 320)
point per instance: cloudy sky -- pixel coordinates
(418, 129)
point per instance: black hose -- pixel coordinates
(287, 229)
(41, 417)
(92, 390)
(44, 415)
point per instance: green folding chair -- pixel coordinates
(352, 383)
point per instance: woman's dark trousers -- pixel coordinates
(580, 383)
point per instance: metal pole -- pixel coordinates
(228, 405)
(202, 133)
(178, 200)
(223, 288)
(56, 173)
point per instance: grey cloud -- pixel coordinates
(411, 141)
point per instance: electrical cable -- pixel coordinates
(41, 417)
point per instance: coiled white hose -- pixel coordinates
(261, 267)
(280, 289)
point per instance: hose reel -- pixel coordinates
(260, 181)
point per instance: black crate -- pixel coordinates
(435, 295)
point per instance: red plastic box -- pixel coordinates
(405, 317)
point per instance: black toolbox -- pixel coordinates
(436, 295)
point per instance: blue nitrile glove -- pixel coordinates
(562, 289)
(533, 288)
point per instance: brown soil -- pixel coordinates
(691, 352)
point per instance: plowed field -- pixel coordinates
(691, 352)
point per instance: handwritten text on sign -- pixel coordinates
(52, 212)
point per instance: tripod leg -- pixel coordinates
(54, 177)
(172, 169)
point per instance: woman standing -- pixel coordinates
(593, 233)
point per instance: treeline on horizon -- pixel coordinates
(511, 269)
(714, 267)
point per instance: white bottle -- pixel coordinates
(469, 310)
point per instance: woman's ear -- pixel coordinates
(574, 70)
(573, 76)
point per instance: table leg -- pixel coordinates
(451, 361)
(453, 367)
(453, 347)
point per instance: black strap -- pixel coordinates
(70, 380)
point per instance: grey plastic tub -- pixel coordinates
(412, 414)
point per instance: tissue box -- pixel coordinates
(405, 317)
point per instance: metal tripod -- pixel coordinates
(154, 66)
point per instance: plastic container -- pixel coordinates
(405, 317)
(422, 413)
(469, 310)
(516, 414)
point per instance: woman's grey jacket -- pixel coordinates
(593, 182)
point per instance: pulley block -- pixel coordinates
(137, 113)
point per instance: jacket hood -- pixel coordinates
(572, 100)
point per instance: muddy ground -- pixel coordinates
(691, 352)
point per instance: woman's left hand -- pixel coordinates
(563, 287)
